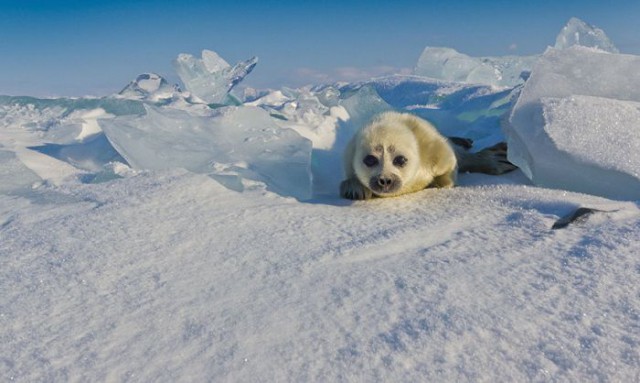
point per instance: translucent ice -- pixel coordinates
(211, 77)
(577, 32)
(585, 143)
(149, 86)
(314, 115)
(234, 143)
(362, 104)
(450, 65)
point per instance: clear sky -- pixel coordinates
(87, 47)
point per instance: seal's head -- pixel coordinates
(387, 155)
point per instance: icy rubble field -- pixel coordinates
(194, 233)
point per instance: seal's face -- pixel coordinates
(386, 159)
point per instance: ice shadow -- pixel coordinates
(90, 155)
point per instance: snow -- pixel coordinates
(170, 276)
(574, 127)
(157, 235)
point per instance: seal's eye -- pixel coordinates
(370, 161)
(400, 161)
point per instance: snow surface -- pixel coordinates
(170, 276)
(154, 235)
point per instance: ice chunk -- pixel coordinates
(306, 114)
(574, 142)
(362, 105)
(450, 65)
(577, 32)
(211, 77)
(235, 142)
(14, 175)
(149, 86)
(588, 144)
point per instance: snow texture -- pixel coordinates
(170, 276)
(152, 235)
(562, 138)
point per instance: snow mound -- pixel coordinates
(232, 144)
(59, 138)
(577, 32)
(211, 78)
(562, 138)
(15, 176)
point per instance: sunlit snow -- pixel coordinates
(195, 233)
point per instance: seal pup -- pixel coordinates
(399, 153)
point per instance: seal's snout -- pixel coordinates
(385, 184)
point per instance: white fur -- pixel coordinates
(431, 161)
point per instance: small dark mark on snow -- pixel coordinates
(581, 214)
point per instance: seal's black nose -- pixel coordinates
(384, 182)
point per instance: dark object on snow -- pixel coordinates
(492, 160)
(581, 214)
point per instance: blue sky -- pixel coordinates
(75, 48)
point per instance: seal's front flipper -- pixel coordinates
(351, 188)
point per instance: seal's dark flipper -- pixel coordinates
(351, 188)
(491, 160)
(498, 153)
(465, 143)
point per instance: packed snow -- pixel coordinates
(195, 232)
